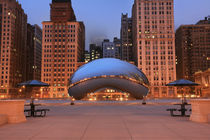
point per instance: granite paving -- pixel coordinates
(107, 122)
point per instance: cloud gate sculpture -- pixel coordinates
(108, 73)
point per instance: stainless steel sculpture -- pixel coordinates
(108, 73)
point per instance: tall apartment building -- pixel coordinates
(95, 52)
(193, 49)
(108, 49)
(63, 46)
(34, 52)
(126, 38)
(87, 56)
(154, 43)
(111, 49)
(13, 31)
(117, 44)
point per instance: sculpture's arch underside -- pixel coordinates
(108, 73)
(80, 90)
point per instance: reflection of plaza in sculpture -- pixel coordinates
(108, 73)
(107, 94)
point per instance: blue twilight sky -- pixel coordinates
(102, 18)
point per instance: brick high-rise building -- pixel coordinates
(193, 49)
(13, 31)
(34, 52)
(154, 43)
(63, 46)
(126, 38)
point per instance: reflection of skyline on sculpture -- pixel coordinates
(98, 19)
(108, 73)
(108, 67)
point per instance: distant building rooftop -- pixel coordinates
(61, 1)
(205, 21)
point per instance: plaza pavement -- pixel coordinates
(107, 122)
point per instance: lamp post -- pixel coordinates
(144, 101)
(72, 101)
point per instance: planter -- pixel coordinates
(14, 109)
(200, 110)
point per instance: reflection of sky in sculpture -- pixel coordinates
(108, 66)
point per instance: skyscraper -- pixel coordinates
(34, 52)
(108, 49)
(193, 49)
(95, 52)
(63, 46)
(87, 56)
(126, 38)
(154, 43)
(117, 44)
(13, 31)
(111, 49)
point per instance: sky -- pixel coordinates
(102, 18)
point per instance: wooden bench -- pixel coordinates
(172, 111)
(40, 112)
(37, 113)
(28, 111)
(182, 110)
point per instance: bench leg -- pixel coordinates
(28, 114)
(38, 115)
(171, 112)
(44, 113)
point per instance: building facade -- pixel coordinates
(13, 33)
(118, 48)
(37, 52)
(203, 78)
(30, 52)
(193, 49)
(87, 56)
(111, 49)
(154, 43)
(95, 52)
(63, 46)
(34, 52)
(126, 38)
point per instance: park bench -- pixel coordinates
(28, 111)
(41, 112)
(172, 111)
(36, 113)
(182, 110)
